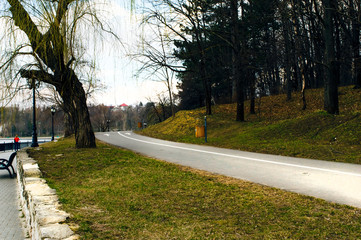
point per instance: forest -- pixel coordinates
(232, 51)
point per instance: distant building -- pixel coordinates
(123, 106)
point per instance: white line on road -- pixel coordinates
(246, 158)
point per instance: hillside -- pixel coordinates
(279, 127)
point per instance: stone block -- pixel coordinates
(56, 231)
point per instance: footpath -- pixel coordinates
(10, 223)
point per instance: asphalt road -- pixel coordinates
(335, 182)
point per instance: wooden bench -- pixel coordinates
(7, 164)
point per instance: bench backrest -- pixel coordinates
(11, 159)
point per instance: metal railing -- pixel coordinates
(11, 146)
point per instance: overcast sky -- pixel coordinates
(116, 70)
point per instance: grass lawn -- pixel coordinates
(280, 127)
(116, 194)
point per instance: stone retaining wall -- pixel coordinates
(39, 203)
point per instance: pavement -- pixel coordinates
(10, 212)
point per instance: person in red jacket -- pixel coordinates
(16, 142)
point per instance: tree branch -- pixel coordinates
(39, 75)
(40, 44)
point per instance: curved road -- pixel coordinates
(335, 182)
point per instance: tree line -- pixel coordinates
(110, 118)
(235, 50)
(15, 120)
(19, 121)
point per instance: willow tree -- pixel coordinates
(52, 50)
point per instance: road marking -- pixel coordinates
(128, 134)
(246, 158)
(106, 134)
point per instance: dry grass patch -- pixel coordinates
(115, 194)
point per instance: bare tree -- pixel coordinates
(187, 16)
(157, 61)
(100, 116)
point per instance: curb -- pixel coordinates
(39, 203)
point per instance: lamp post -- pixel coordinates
(108, 125)
(205, 128)
(52, 109)
(34, 142)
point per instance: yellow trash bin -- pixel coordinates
(200, 131)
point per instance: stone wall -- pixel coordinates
(39, 203)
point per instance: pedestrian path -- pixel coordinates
(10, 223)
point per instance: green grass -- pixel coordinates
(279, 127)
(116, 194)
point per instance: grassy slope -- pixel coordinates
(116, 194)
(279, 127)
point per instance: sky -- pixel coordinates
(117, 71)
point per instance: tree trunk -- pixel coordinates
(318, 49)
(156, 112)
(288, 61)
(303, 90)
(286, 31)
(74, 99)
(206, 85)
(356, 10)
(203, 73)
(252, 78)
(171, 100)
(236, 60)
(331, 91)
(68, 125)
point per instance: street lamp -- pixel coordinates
(52, 109)
(34, 141)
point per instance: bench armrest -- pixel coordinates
(4, 161)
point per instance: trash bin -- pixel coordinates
(139, 125)
(200, 131)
